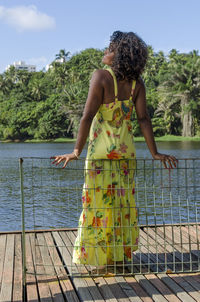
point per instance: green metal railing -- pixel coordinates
(168, 203)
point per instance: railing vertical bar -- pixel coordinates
(196, 211)
(129, 171)
(23, 229)
(179, 209)
(155, 222)
(138, 207)
(163, 214)
(188, 214)
(146, 205)
(172, 219)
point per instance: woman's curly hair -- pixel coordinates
(131, 54)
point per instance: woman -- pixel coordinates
(108, 231)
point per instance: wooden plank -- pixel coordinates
(17, 286)
(142, 294)
(165, 291)
(186, 286)
(194, 280)
(37, 231)
(158, 235)
(64, 253)
(179, 291)
(43, 286)
(187, 240)
(94, 291)
(79, 283)
(148, 258)
(174, 249)
(189, 255)
(163, 245)
(169, 257)
(197, 277)
(75, 229)
(7, 277)
(129, 291)
(49, 270)
(2, 255)
(192, 231)
(178, 279)
(140, 257)
(31, 282)
(191, 236)
(194, 236)
(160, 254)
(116, 290)
(157, 252)
(150, 289)
(168, 224)
(105, 290)
(65, 283)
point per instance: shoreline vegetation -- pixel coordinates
(165, 138)
(44, 105)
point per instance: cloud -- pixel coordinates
(25, 18)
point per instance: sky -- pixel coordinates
(34, 31)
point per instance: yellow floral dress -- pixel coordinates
(108, 230)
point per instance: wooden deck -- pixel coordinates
(48, 258)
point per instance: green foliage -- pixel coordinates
(49, 105)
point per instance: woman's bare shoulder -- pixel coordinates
(139, 88)
(100, 76)
(140, 83)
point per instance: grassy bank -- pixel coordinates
(166, 138)
(57, 140)
(174, 138)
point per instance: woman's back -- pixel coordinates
(123, 88)
(111, 131)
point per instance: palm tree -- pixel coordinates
(182, 90)
(23, 77)
(74, 95)
(11, 74)
(37, 89)
(61, 75)
(5, 85)
(62, 56)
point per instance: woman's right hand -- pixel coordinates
(166, 159)
(65, 157)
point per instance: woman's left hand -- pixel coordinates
(65, 157)
(170, 159)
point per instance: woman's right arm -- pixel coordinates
(146, 126)
(94, 101)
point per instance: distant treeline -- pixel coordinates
(48, 105)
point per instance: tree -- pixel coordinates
(37, 90)
(74, 98)
(180, 93)
(62, 56)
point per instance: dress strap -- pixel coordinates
(115, 85)
(115, 82)
(132, 89)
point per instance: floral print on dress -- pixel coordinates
(108, 230)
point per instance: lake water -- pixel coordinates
(53, 195)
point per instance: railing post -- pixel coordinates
(23, 228)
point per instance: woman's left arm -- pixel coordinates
(94, 100)
(146, 127)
